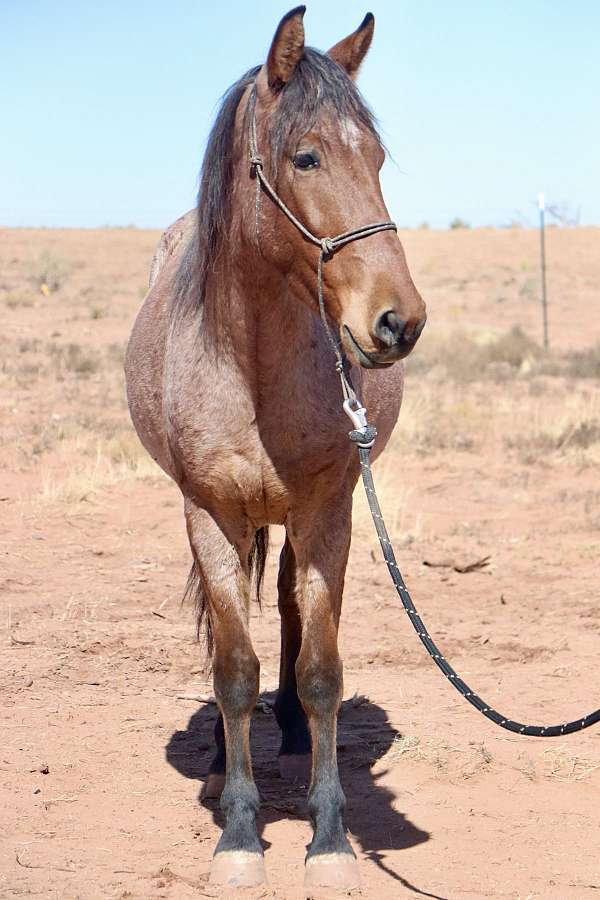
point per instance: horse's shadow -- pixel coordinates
(364, 736)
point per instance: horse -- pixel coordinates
(233, 390)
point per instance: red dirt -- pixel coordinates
(102, 762)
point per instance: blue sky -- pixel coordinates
(106, 105)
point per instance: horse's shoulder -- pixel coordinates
(170, 241)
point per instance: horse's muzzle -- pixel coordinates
(395, 338)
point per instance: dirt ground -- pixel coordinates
(103, 748)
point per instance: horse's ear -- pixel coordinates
(287, 49)
(350, 52)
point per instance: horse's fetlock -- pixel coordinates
(240, 801)
(326, 798)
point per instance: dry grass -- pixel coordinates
(404, 522)
(116, 459)
(561, 763)
(467, 356)
(542, 408)
(565, 429)
(18, 300)
(473, 390)
(584, 363)
(479, 354)
(464, 763)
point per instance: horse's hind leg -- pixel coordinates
(222, 566)
(294, 755)
(215, 780)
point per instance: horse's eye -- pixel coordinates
(308, 159)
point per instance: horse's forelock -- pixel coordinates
(318, 83)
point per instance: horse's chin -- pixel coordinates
(367, 359)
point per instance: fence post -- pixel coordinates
(542, 208)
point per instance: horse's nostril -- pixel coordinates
(389, 328)
(419, 328)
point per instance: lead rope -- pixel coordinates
(364, 436)
(417, 623)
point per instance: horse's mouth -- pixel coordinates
(366, 360)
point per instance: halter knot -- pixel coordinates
(327, 247)
(256, 162)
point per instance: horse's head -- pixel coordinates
(322, 153)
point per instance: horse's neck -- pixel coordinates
(279, 346)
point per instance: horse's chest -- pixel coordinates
(265, 484)
(299, 478)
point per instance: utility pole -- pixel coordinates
(542, 208)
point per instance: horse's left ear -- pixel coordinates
(350, 52)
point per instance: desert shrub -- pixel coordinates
(528, 288)
(437, 420)
(583, 434)
(584, 363)
(99, 312)
(457, 222)
(18, 300)
(29, 345)
(513, 348)
(74, 358)
(532, 446)
(116, 354)
(467, 359)
(48, 269)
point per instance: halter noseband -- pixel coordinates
(327, 247)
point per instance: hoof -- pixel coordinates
(296, 767)
(213, 786)
(332, 870)
(238, 868)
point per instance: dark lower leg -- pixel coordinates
(236, 689)
(221, 561)
(291, 718)
(321, 693)
(321, 555)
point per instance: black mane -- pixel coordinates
(318, 82)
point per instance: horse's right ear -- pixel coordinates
(351, 51)
(287, 49)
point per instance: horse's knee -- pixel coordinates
(236, 681)
(320, 683)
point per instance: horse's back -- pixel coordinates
(171, 243)
(145, 357)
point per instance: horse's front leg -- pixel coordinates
(222, 565)
(321, 541)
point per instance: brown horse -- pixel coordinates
(233, 390)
